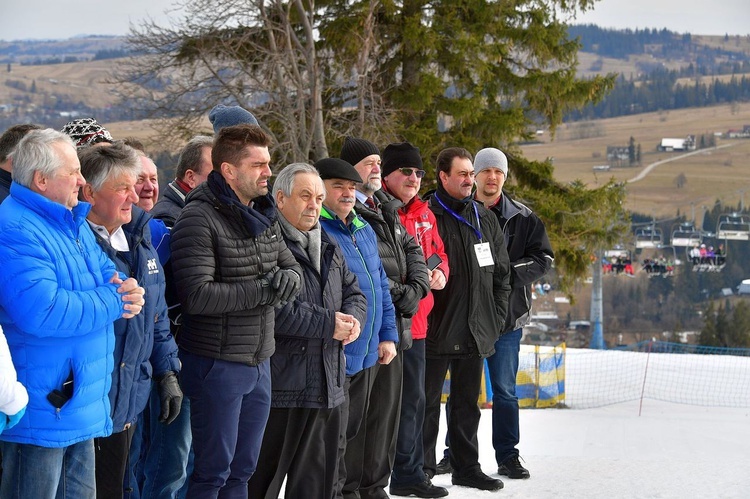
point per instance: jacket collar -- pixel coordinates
(55, 213)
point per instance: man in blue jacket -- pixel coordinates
(377, 341)
(143, 345)
(59, 298)
(308, 368)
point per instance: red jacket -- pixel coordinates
(420, 223)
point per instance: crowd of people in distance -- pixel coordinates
(244, 335)
(658, 266)
(700, 255)
(618, 264)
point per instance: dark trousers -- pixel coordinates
(407, 466)
(300, 445)
(229, 405)
(358, 388)
(463, 412)
(382, 428)
(111, 455)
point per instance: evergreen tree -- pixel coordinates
(473, 73)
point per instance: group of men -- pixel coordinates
(310, 323)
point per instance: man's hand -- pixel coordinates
(170, 396)
(286, 284)
(386, 352)
(437, 279)
(346, 329)
(131, 293)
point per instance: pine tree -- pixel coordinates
(474, 73)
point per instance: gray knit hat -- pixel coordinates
(490, 158)
(222, 116)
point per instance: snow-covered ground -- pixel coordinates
(671, 450)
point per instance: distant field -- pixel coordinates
(722, 174)
(81, 81)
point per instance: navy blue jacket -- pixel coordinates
(143, 345)
(309, 366)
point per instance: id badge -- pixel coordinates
(484, 254)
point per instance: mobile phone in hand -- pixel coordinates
(433, 261)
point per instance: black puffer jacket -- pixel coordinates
(170, 205)
(403, 261)
(308, 368)
(530, 255)
(469, 312)
(217, 261)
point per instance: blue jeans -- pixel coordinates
(503, 366)
(229, 406)
(33, 472)
(162, 457)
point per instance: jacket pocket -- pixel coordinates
(289, 367)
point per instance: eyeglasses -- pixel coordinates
(408, 171)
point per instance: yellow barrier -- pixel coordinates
(540, 382)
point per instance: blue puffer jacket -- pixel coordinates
(57, 309)
(143, 344)
(359, 244)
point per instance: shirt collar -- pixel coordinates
(117, 239)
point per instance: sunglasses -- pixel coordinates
(408, 171)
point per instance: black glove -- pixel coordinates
(286, 283)
(170, 396)
(267, 293)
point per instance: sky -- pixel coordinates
(54, 19)
(670, 450)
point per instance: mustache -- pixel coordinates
(347, 199)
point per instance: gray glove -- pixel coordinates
(286, 284)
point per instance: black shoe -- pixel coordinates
(477, 480)
(512, 468)
(422, 489)
(444, 466)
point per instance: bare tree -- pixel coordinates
(258, 54)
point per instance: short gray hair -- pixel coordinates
(190, 157)
(34, 153)
(98, 164)
(285, 179)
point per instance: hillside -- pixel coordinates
(713, 174)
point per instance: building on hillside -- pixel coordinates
(739, 134)
(686, 144)
(618, 155)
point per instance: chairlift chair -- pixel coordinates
(733, 227)
(648, 237)
(686, 235)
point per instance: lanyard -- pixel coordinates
(462, 219)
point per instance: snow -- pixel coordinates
(670, 451)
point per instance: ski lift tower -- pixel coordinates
(597, 333)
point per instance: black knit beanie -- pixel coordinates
(401, 155)
(355, 150)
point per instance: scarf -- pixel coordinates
(257, 218)
(309, 240)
